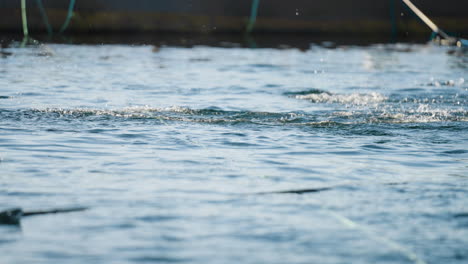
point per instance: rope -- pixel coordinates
(378, 238)
(438, 31)
(410, 255)
(393, 19)
(45, 18)
(426, 20)
(24, 19)
(253, 16)
(71, 6)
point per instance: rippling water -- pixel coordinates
(178, 153)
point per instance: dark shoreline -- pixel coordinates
(283, 40)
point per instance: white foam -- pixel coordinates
(354, 99)
(127, 111)
(417, 113)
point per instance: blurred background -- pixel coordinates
(203, 20)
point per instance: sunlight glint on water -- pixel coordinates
(169, 148)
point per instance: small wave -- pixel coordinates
(183, 114)
(400, 118)
(439, 83)
(391, 114)
(456, 151)
(398, 47)
(306, 92)
(157, 259)
(266, 66)
(353, 99)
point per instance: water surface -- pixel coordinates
(169, 146)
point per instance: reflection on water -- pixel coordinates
(170, 147)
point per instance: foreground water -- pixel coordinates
(169, 148)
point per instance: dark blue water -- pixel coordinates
(170, 148)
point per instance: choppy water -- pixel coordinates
(169, 147)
